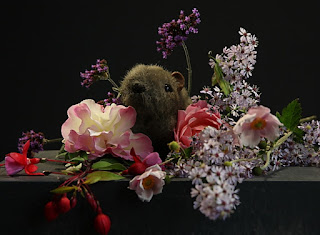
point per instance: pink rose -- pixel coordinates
(97, 130)
(193, 120)
(257, 123)
(149, 183)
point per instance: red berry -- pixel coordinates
(102, 223)
(51, 211)
(64, 204)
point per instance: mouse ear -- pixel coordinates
(179, 78)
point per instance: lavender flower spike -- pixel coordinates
(177, 31)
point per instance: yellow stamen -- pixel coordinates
(148, 182)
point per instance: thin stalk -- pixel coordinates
(188, 67)
(307, 119)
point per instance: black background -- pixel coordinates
(47, 45)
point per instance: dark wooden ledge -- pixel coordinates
(284, 202)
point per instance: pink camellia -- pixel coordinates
(99, 130)
(257, 123)
(193, 120)
(149, 183)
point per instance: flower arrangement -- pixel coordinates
(222, 138)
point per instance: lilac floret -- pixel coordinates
(177, 31)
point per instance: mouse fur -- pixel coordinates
(157, 95)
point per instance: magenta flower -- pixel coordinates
(256, 124)
(100, 130)
(16, 162)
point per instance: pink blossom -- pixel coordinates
(193, 120)
(150, 183)
(257, 123)
(97, 130)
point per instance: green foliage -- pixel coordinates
(105, 165)
(102, 176)
(218, 78)
(290, 117)
(63, 189)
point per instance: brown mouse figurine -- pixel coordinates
(157, 95)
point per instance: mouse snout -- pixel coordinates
(138, 88)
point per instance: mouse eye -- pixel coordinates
(167, 88)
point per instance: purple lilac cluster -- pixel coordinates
(242, 97)
(215, 183)
(99, 71)
(291, 153)
(174, 33)
(237, 62)
(112, 99)
(37, 140)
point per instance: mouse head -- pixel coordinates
(152, 90)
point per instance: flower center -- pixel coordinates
(258, 124)
(148, 182)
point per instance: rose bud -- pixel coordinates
(51, 211)
(102, 223)
(64, 204)
(73, 202)
(92, 201)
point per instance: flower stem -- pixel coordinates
(46, 141)
(2, 164)
(307, 119)
(275, 146)
(189, 67)
(245, 159)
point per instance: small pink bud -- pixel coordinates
(102, 223)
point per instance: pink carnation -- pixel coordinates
(257, 123)
(98, 130)
(193, 120)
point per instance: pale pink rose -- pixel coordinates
(257, 123)
(193, 120)
(97, 130)
(150, 183)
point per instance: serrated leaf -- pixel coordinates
(63, 189)
(291, 115)
(104, 176)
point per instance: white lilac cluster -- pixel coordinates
(312, 132)
(237, 62)
(242, 97)
(214, 182)
(292, 153)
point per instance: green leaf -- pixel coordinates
(63, 189)
(291, 115)
(104, 165)
(104, 176)
(188, 152)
